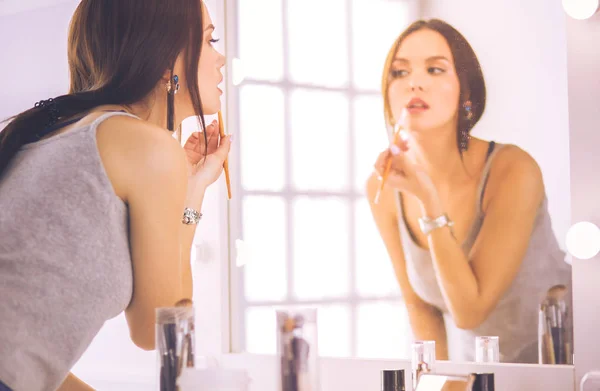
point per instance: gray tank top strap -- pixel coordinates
(492, 152)
(108, 115)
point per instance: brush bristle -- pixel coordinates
(557, 292)
(184, 303)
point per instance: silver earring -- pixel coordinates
(170, 84)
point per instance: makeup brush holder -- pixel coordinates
(298, 350)
(555, 331)
(175, 344)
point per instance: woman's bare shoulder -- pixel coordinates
(133, 150)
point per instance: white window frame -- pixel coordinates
(352, 300)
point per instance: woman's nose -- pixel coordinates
(415, 84)
(416, 81)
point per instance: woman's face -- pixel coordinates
(424, 85)
(209, 68)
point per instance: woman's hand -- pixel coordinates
(204, 171)
(404, 173)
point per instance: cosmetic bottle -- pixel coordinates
(487, 349)
(393, 380)
(423, 360)
(484, 382)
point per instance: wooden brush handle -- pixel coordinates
(226, 163)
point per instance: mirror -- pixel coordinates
(307, 111)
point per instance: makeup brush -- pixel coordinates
(557, 307)
(388, 165)
(557, 293)
(226, 163)
(184, 303)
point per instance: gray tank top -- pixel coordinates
(515, 318)
(65, 266)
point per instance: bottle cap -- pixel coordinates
(484, 382)
(392, 380)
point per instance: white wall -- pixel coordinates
(521, 47)
(33, 45)
(583, 39)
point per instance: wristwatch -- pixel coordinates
(427, 224)
(191, 216)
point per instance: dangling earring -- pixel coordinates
(170, 85)
(464, 140)
(464, 134)
(171, 91)
(469, 110)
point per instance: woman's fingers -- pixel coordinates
(381, 162)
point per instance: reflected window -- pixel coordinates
(310, 127)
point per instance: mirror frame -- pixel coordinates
(215, 282)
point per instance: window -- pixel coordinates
(310, 125)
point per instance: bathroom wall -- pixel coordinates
(526, 83)
(584, 121)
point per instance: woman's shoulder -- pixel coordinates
(512, 160)
(135, 151)
(514, 171)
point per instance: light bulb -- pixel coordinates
(583, 240)
(580, 9)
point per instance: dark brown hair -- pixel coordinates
(119, 50)
(468, 69)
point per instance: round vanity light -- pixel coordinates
(583, 240)
(580, 9)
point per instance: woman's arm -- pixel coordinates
(426, 321)
(72, 383)
(472, 289)
(148, 169)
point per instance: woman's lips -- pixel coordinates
(417, 105)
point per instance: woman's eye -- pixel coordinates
(398, 72)
(435, 70)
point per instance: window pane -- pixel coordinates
(265, 246)
(370, 137)
(374, 272)
(334, 331)
(319, 140)
(260, 40)
(260, 330)
(261, 138)
(375, 26)
(318, 51)
(383, 330)
(320, 239)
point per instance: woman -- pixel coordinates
(102, 200)
(465, 221)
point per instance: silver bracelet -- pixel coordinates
(427, 224)
(191, 216)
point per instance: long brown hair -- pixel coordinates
(119, 50)
(468, 69)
